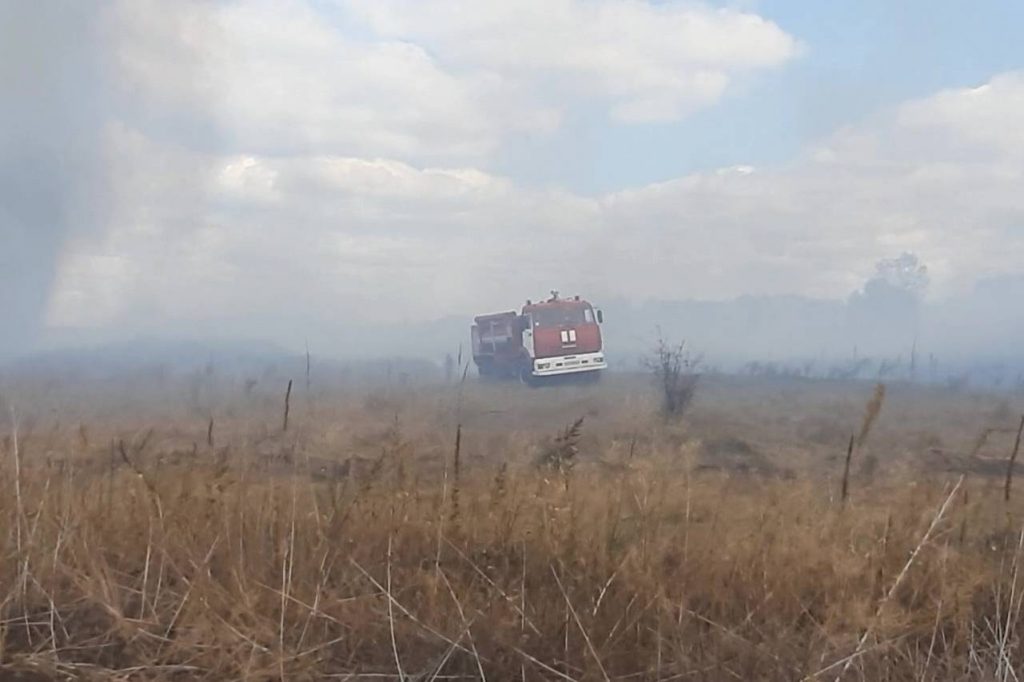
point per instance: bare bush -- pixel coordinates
(676, 375)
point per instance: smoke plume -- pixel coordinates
(52, 76)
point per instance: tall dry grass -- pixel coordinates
(624, 566)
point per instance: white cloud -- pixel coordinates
(649, 62)
(986, 118)
(277, 77)
(428, 82)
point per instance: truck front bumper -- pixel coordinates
(569, 364)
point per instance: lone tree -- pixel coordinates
(885, 312)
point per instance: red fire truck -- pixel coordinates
(551, 338)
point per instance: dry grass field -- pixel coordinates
(158, 529)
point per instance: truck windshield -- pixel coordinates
(566, 316)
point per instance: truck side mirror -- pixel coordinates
(600, 317)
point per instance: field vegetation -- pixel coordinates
(166, 528)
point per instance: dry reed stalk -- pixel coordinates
(1005, 668)
(22, 581)
(20, 508)
(456, 473)
(1013, 460)
(579, 624)
(459, 392)
(963, 521)
(892, 589)
(501, 483)
(308, 368)
(522, 607)
(442, 508)
(931, 643)
(391, 618)
(287, 404)
(871, 412)
(145, 570)
(467, 626)
(846, 471)
(154, 495)
(287, 569)
(209, 433)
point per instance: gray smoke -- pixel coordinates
(54, 93)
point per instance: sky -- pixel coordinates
(284, 168)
